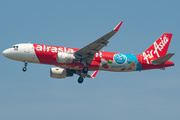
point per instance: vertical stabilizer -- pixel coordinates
(158, 48)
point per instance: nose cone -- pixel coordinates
(6, 53)
(10, 54)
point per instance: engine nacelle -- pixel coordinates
(63, 57)
(59, 73)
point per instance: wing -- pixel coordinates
(88, 51)
(85, 75)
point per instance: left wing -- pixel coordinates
(88, 51)
(85, 75)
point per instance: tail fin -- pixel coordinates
(159, 47)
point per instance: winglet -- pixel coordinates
(94, 74)
(118, 26)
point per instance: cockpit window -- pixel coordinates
(14, 46)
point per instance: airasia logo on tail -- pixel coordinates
(155, 49)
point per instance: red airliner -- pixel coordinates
(69, 61)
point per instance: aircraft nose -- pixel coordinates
(5, 53)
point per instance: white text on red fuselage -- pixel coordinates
(53, 49)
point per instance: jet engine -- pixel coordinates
(63, 57)
(60, 73)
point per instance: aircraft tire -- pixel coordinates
(85, 70)
(24, 69)
(80, 80)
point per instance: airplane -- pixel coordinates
(70, 61)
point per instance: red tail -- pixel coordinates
(158, 48)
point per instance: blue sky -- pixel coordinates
(153, 94)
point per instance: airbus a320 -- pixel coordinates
(70, 61)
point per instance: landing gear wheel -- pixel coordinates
(80, 80)
(85, 70)
(24, 69)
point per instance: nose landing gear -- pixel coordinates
(25, 67)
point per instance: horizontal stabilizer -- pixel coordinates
(162, 59)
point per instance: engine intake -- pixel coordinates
(59, 73)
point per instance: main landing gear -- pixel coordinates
(80, 80)
(85, 70)
(25, 67)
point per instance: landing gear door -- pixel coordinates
(27, 48)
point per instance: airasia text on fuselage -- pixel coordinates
(53, 49)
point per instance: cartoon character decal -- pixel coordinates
(106, 63)
(120, 58)
(127, 61)
(121, 62)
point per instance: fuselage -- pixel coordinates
(108, 61)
